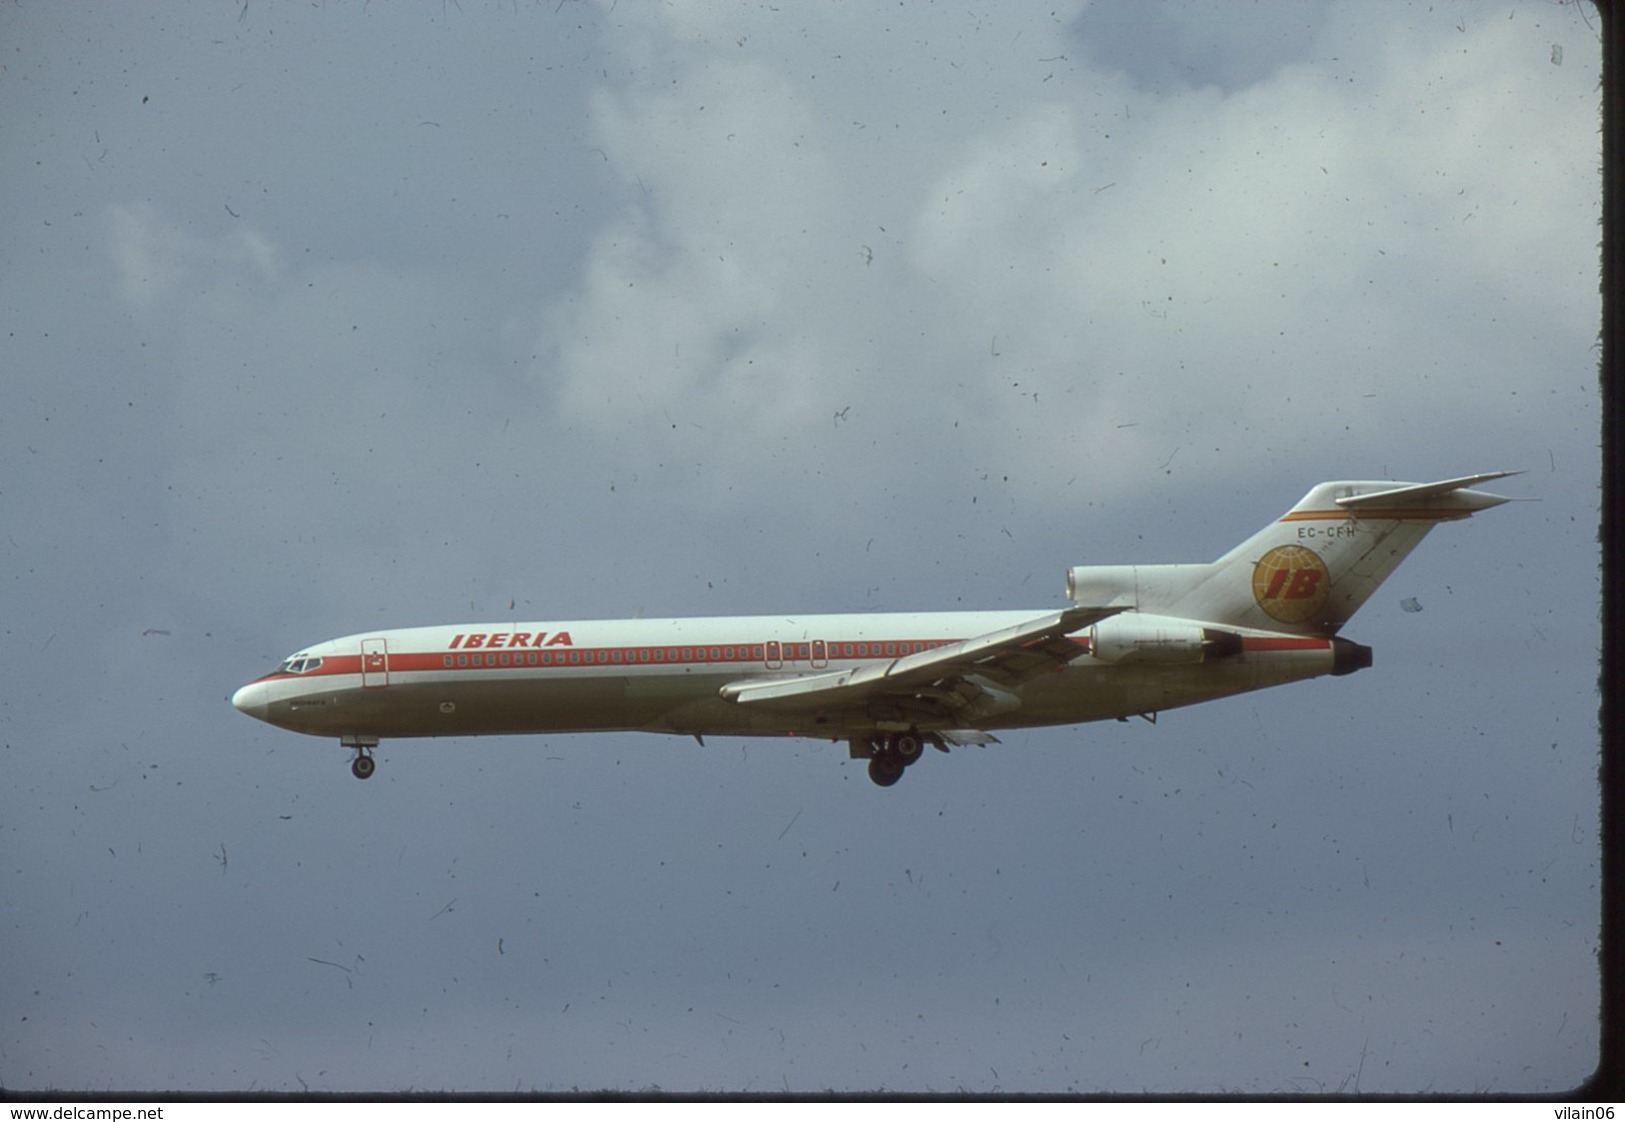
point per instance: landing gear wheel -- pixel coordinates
(886, 768)
(363, 766)
(908, 746)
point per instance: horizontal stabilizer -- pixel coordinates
(1412, 495)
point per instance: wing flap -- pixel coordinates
(1007, 656)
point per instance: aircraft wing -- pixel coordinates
(941, 682)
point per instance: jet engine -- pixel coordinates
(1130, 638)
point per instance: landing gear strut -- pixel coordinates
(891, 756)
(363, 765)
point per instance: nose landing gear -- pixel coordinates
(363, 765)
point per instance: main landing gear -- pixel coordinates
(895, 754)
(363, 765)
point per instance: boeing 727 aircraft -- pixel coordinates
(1137, 639)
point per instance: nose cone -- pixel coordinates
(252, 699)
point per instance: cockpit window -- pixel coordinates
(300, 664)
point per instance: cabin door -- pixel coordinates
(374, 664)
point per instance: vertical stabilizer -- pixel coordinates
(1310, 570)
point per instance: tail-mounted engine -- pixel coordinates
(1131, 638)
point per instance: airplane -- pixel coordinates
(1136, 640)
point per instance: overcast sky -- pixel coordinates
(328, 317)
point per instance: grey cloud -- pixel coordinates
(366, 317)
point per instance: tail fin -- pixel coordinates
(1310, 570)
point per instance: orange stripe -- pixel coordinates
(1391, 514)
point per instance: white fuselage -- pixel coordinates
(667, 676)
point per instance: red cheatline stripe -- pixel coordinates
(1251, 643)
(404, 662)
(710, 654)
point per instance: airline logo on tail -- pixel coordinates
(1290, 583)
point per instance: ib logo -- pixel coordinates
(1290, 583)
